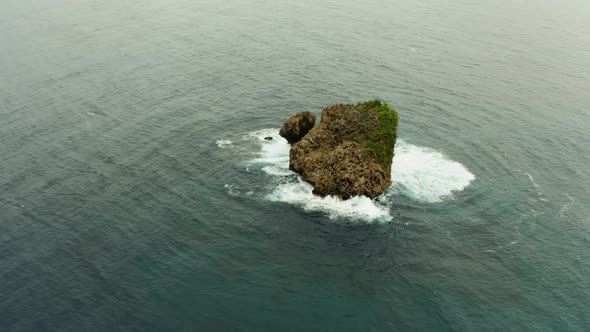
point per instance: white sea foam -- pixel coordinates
(425, 174)
(222, 143)
(274, 153)
(300, 193)
(420, 173)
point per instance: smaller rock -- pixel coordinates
(297, 126)
(268, 138)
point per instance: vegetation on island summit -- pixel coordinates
(382, 142)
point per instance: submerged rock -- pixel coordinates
(350, 152)
(268, 138)
(297, 126)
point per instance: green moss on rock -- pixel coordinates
(382, 142)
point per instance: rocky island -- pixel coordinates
(349, 153)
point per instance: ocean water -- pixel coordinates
(137, 191)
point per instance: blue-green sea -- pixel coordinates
(137, 191)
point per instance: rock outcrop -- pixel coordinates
(297, 126)
(350, 152)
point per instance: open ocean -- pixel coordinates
(137, 192)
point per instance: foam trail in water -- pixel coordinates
(222, 143)
(420, 173)
(425, 174)
(232, 189)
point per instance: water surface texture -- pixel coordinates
(137, 191)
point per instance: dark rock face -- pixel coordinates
(349, 153)
(297, 126)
